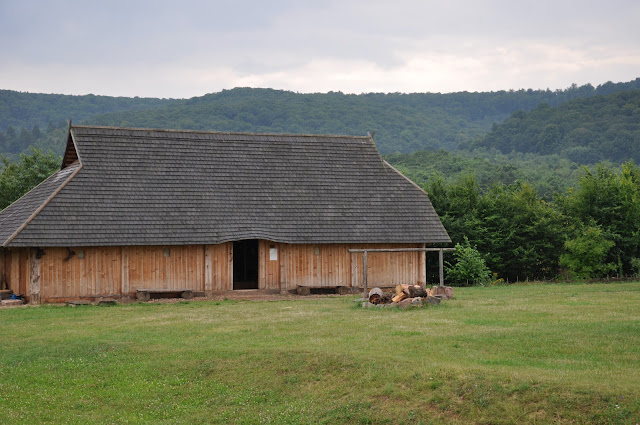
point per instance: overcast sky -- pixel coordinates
(185, 48)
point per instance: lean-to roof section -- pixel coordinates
(18, 215)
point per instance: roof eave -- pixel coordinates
(7, 242)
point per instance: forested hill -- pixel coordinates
(21, 109)
(583, 130)
(403, 122)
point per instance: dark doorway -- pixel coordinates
(245, 264)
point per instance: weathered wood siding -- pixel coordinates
(14, 266)
(64, 275)
(219, 267)
(315, 265)
(333, 265)
(268, 269)
(389, 268)
(87, 272)
(164, 267)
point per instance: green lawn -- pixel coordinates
(511, 354)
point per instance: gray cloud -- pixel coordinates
(162, 48)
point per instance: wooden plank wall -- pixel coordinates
(315, 265)
(119, 271)
(66, 276)
(164, 267)
(389, 268)
(218, 267)
(14, 264)
(268, 269)
(333, 265)
(3, 267)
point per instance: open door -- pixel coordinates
(245, 264)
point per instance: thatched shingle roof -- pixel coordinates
(174, 187)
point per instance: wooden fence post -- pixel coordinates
(440, 259)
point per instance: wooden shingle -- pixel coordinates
(171, 187)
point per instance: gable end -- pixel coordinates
(70, 152)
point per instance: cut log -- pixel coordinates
(386, 299)
(401, 288)
(419, 291)
(399, 297)
(413, 291)
(375, 296)
(433, 300)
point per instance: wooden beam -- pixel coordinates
(208, 271)
(34, 276)
(422, 266)
(403, 250)
(284, 262)
(124, 258)
(440, 260)
(364, 278)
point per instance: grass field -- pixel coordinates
(511, 354)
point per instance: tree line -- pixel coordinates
(403, 122)
(585, 130)
(51, 139)
(590, 231)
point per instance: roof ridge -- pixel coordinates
(45, 203)
(235, 133)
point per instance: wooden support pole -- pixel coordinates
(124, 256)
(208, 271)
(364, 278)
(422, 268)
(441, 261)
(34, 276)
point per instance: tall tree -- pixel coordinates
(20, 176)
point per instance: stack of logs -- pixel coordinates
(409, 295)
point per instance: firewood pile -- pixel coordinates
(408, 295)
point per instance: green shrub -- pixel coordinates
(470, 268)
(586, 254)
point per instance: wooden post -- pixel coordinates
(284, 279)
(208, 271)
(422, 268)
(441, 267)
(364, 276)
(229, 275)
(124, 257)
(34, 276)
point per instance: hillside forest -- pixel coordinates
(530, 184)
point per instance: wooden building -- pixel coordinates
(210, 211)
